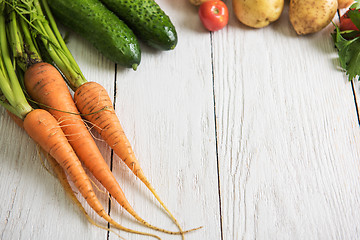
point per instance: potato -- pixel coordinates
(258, 13)
(310, 16)
(344, 3)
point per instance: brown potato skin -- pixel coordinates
(258, 13)
(310, 16)
(344, 3)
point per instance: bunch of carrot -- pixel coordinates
(35, 92)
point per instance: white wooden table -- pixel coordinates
(253, 134)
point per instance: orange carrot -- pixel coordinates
(40, 124)
(46, 86)
(95, 104)
(48, 33)
(61, 175)
(43, 128)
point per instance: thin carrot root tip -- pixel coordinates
(90, 99)
(60, 174)
(155, 194)
(193, 229)
(120, 227)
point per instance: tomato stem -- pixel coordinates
(215, 10)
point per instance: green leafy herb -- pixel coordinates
(348, 44)
(355, 5)
(349, 53)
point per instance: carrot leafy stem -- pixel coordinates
(13, 98)
(38, 18)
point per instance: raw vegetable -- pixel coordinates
(11, 94)
(60, 174)
(214, 15)
(57, 171)
(148, 21)
(77, 85)
(258, 14)
(42, 127)
(308, 16)
(90, 99)
(344, 3)
(348, 44)
(94, 103)
(101, 27)
(76, 80)
(346, 23)
(46, 86)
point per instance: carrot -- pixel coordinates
(93, 101)
(59, 170)
(61, 56)
(40, 125)
(46, 86)
(61, 175)
(43, 128)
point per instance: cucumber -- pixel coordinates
(147, 20)
(101, 27)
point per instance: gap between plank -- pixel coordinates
(112, 152)
(356, 104)
(215, 126)
(352, 85)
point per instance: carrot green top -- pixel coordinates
(25, 27)
(11, 96)
(36, 16)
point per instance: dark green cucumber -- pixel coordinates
(101, 27)
(147, 20)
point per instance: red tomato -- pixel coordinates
(346, 23)
(214, 15)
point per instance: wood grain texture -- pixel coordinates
(288, 136)
(264, 112)
(166, 109)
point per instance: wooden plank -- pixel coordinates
(288, 135)
(166, 109)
